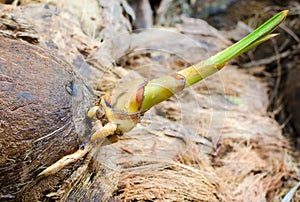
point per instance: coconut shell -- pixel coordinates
(42, 117)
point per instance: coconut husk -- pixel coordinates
(42, 105)
(212, 142)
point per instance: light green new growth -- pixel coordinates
(120, 110)
(214, 63)
(259, 35)
(129, 101)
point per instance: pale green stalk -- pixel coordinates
(127, 103)
(216, 62)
